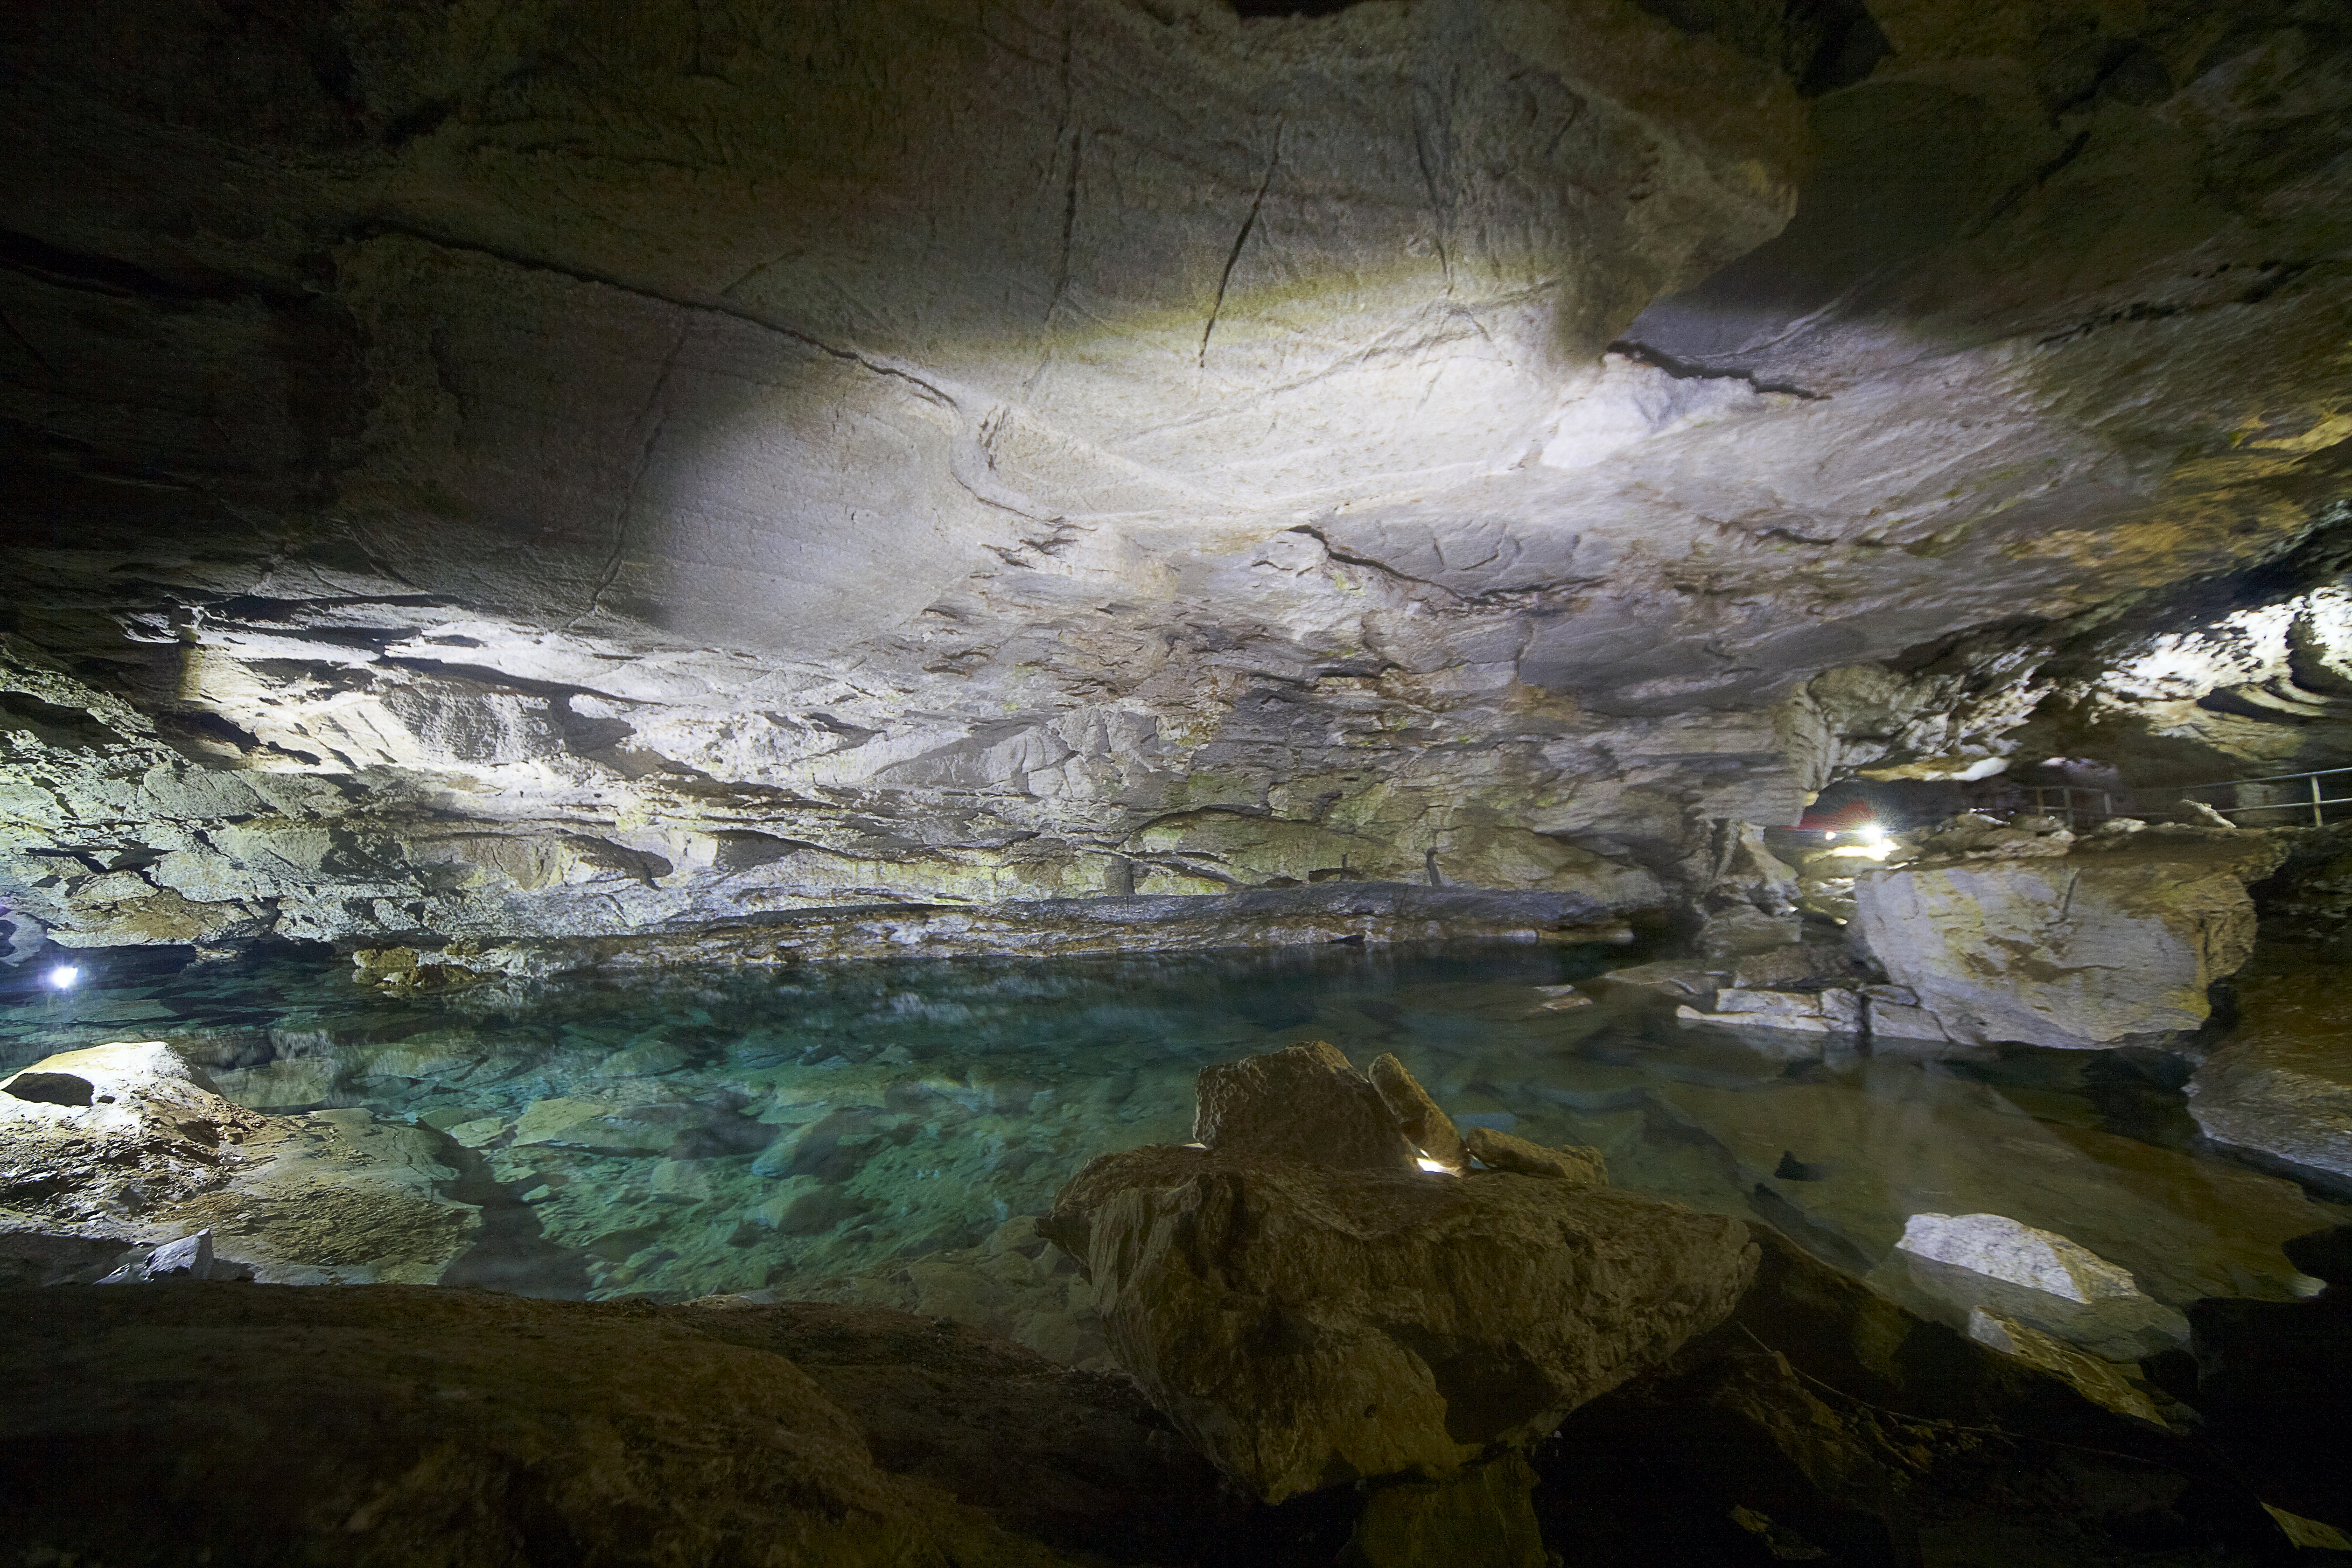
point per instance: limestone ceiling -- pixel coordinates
(1466, 396)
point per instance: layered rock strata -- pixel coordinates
(569, 474)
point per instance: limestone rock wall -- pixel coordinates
(498, 469)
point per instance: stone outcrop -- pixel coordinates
(2070, 946)
(1500, 1150)
(1307, 1104)
(1075, 1459)
(1421, 1119)
(128, 1144)
(2281, 1084)
(1307, 1326)
(1356, 912)
(471, 1427)
(1311, 1310)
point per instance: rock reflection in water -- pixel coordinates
(880, 1133)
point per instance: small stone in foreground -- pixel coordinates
(1423, 1120)
(1502, 1151)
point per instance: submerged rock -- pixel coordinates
(2281, 1085)
(1993, 1245)
(1826, 1012)
(155, 1155)
(1675, 978)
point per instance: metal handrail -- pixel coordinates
(2318, 805)
(2266, 778)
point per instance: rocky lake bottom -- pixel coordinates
(884, 1133)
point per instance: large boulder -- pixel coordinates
(1076, 1459)
(1304, 1103)
(2280, 1086)
(2080, 949)
(1307, 1326)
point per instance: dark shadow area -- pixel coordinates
(1250, 8)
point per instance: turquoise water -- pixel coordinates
(687, 1133)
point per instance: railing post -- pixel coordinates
(2316, 821)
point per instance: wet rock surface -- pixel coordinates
(409, 1425)
(1306, 1104)
(2281, 1084)
(154, 1154)
(1310, 1320)
(1075, 1459)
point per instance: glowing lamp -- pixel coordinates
(65, 976)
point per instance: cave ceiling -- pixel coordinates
(484, 467)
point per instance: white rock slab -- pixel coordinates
(1994, 1244)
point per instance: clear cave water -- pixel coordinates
(684, 1132)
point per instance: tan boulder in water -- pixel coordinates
(1308, 1321)
(1303, 1103)
(1307, 1326)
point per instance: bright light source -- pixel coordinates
(65, 976)
(1428, 1164)
(1875, 844)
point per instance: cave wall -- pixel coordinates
(557, 468)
